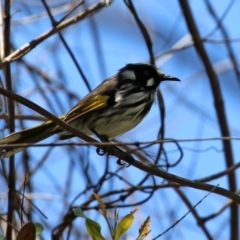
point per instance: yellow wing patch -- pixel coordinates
(94, 103)
(10, 138)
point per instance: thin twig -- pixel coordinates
(29, 46)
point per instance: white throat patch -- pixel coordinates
(118, 98)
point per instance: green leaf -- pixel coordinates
(79, 213)
(2, 237)
(39, 228)
(124, 224)
(94, 229)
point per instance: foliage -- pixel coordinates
(119, 228)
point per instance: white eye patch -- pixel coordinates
(128, 74)
(150, 82)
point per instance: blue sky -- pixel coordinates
(190, 111)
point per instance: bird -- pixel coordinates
(114, 107)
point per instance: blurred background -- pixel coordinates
(201, 109)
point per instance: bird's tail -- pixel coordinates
(30, 135)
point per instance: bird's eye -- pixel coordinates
(146, 72)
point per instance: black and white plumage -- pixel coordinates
(113, 108)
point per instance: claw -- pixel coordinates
(100, 151)
(122, 163)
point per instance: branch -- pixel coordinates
(29, 46)
(219, 108)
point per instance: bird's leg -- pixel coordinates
(102, 151)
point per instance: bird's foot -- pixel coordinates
(101, 151)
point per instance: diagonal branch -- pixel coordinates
(29, 46)
(120, 154)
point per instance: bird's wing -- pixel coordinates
(99, 98)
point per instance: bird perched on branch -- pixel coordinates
(116, 106)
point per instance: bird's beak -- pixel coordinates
(169, 78)
(164, 77)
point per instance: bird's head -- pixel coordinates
(144, 75)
